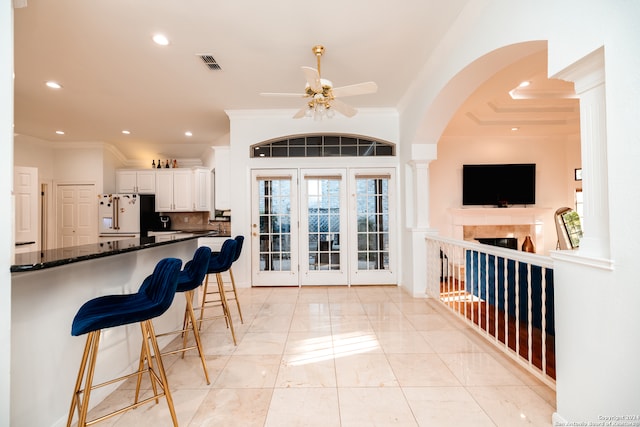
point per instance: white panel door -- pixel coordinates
(76, 215)
(25, 184)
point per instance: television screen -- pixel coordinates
(499, 184)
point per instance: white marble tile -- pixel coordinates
(185, 402)
(392, 324)
(313, 309)
(364, 370)
(412, 306)
(349, 324)
(374, 406)
(341, 309)
(421, 370)
(445, 407)
(233, 407)
(343, 356)
(317, 370)
(403, 342)
(430, 322)
(262, 343)
(308, 407)
(300, 343)
(479, 369)
(513, 405)
(309, 322)
(251, 371)
(453, 341)
(271, 323)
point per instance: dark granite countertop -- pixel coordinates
(37, 260)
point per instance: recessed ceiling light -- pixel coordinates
(126, 132)
(60, 132)
(160, 39)
(514, 129)
(53, 85)
(188, 133)
(524, 84)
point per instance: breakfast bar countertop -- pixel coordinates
(39, 260)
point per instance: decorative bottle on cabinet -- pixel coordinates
(527, 245)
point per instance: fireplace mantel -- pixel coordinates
(498, 216)
(533, 217)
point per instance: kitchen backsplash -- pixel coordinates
(186, 221)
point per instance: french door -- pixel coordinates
(323, 227)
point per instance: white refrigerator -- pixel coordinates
(124, 216)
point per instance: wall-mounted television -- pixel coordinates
(499, 184)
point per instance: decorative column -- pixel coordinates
(417, 215)
(589, 78)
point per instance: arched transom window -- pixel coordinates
(323, 146)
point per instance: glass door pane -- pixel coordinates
(373, 227)
(274, 245)
(323, 223)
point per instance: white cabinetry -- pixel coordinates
(136, 181)
(202, 189)
(174, 190)
(215, 243)
(222, 194)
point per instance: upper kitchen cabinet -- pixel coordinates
(202, 189)
(136, 181)
(174, 190)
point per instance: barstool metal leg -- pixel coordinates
(225, 306)
(235, 294)
(88, 364)
(149, 333)
(196, 333)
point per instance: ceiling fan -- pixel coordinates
(322, 96)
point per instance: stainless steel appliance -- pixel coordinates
(165, 222)
(123, 216)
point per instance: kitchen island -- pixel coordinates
(47, 290)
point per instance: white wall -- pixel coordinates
(597, 320)
(6, 199)
(252, 127)
(554, 174)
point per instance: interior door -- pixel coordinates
(25, 184)
(274, 228)
(76, 213)
(323, 226)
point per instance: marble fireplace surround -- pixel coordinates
(471, 223)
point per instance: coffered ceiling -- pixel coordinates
(115, 78)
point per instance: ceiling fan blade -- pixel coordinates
(313, 79)
(356, 89)
(285, 95)
(300, 113)
(343, 108)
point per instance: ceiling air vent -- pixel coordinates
(210, 62)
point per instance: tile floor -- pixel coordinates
(339, 356)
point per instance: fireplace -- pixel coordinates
(502, 242)
(471, 224)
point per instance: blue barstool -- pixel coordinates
(219, 263)
(191, 276)
(239, 241)
(152, 299)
